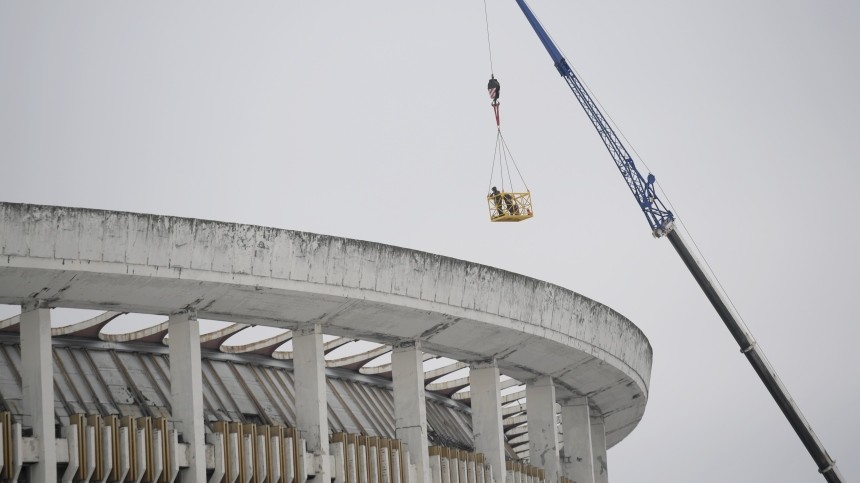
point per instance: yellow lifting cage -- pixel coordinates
(514, 201)
(510, 206)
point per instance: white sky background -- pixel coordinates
(370, 120)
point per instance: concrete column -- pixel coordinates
(487, 415)
(410, 413)
(186, 390)
(578, 462)
(543, 435)
(598, 445)
(37, 377)
(312, 397)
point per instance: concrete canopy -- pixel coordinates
(92, 259)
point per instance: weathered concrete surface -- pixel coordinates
(410, 410)
(543, 435)
(38, 388)
(579, 460)
(95, 259)
(598, 450)
(311, 401)
(487, 416)
(187, 397)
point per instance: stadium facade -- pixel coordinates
(554, 379)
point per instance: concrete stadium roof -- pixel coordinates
(126, 262)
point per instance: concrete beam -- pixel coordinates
(514, 421)
(186, 390)
(523, 429)
(410, 412)
(335, 343)
(433, 374)
(449, 387)
(543, 436)
(357, 361)
(578, 463)
(327, 347)
(521, 439)
(86, 328)
(384, 370)
(467, 396)
(311, 396)
(12, 324)
(487, 415)
(37, 377)
(518, 408)
(155, 333)
(265, 347)
(214, 340)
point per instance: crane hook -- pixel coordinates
(493, 88)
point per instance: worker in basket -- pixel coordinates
(513, 209)
(505, 203)
(499, 202)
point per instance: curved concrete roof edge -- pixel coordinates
(227, 266)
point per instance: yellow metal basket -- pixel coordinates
(510, 206)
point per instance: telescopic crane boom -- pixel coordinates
(662, 223)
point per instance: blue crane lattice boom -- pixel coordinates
(659, 217)
(662, 223)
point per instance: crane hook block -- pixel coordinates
(493, 88)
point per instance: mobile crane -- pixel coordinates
(662, 223)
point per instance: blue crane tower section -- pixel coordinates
(662, 223)
(659, 217)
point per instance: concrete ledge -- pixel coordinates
(153, 264)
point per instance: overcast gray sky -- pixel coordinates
(370, 120)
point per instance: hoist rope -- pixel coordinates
(517, 168)
(493, 166)
(489, 46)
(503, 153)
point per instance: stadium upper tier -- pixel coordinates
(150, 264)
